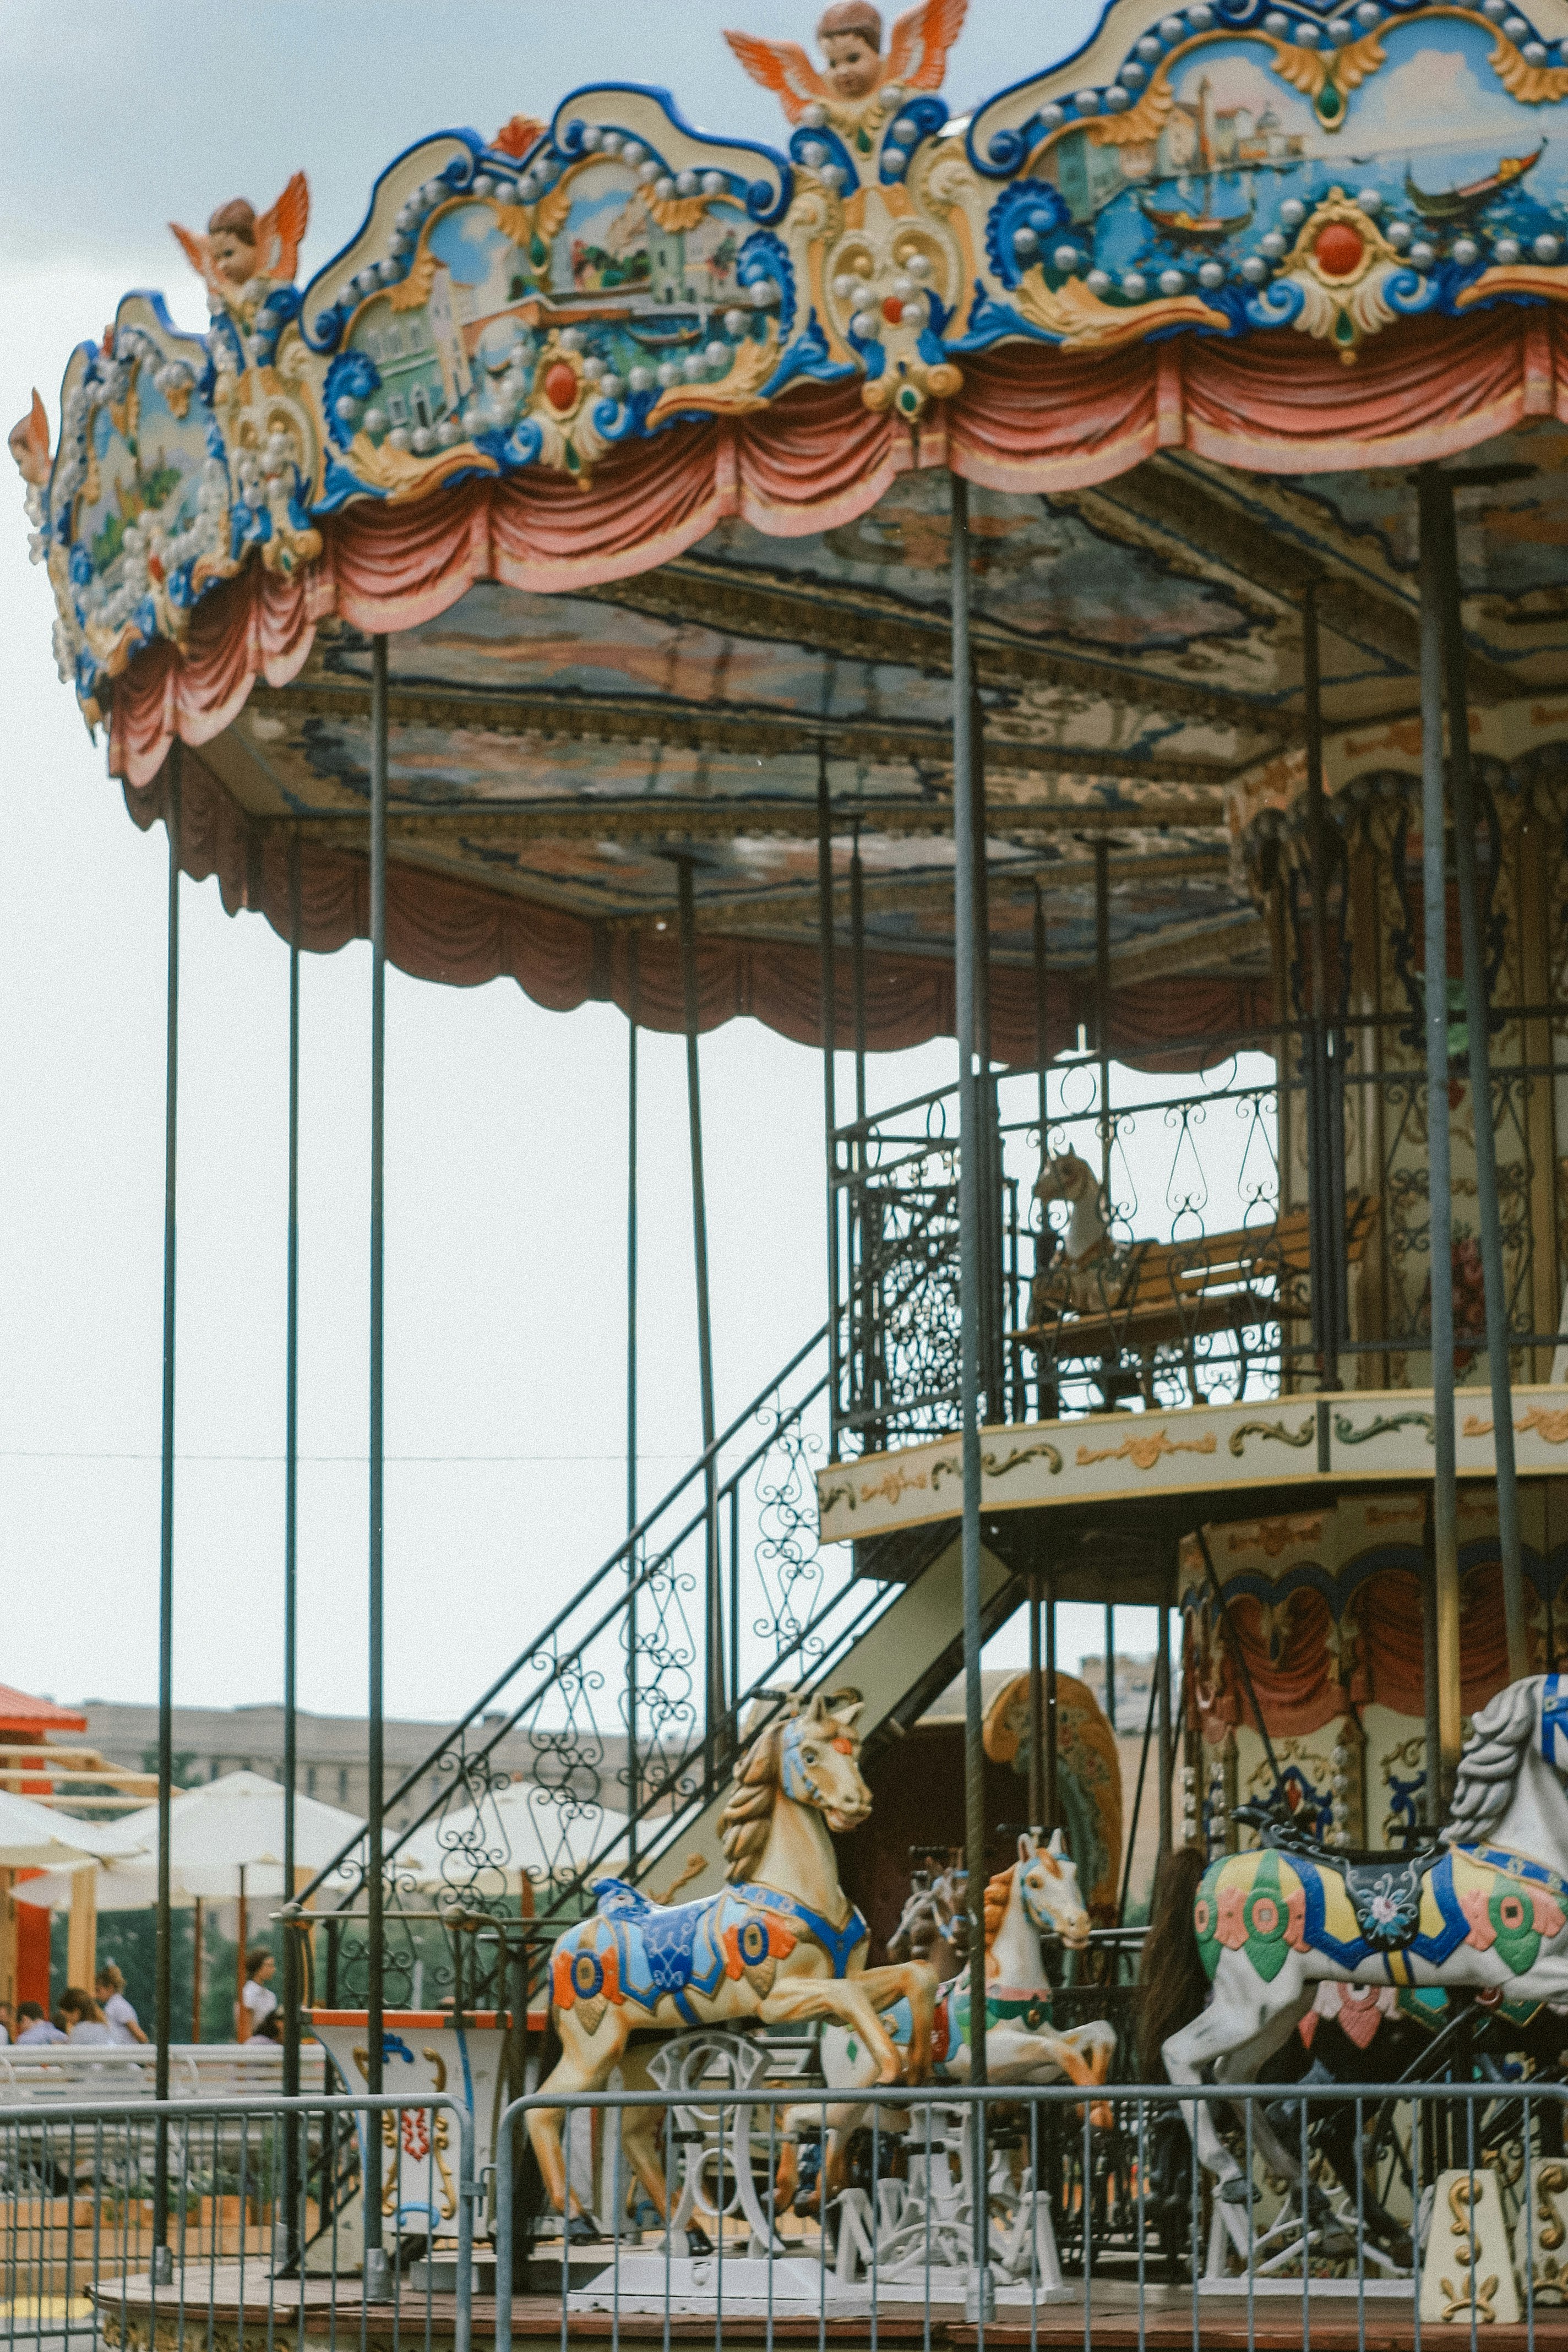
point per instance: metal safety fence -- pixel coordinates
(1375, 2214)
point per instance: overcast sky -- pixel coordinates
(506, 1129)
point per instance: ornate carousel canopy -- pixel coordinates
(633, 440)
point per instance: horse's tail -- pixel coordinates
(1172, 1979)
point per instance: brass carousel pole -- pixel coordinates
(291, 1949)
(163, 2259)
(1440, 1224)
(377, 2283)
(829, 984)
(713, 1598)
(1437, 517)
(967, 948)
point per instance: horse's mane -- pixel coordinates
(998, 1894)
(1490, 1765)
(744, 1823)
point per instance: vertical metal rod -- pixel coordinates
(162, 1992)
(291, 1954)
(1037, 1705)
(713, 1598)
(374, 1826)
(632, 1009)
(1162, 1724)
(1053, 1793)
(1042, 1050)
(829, 1107)
(1102, 1010)
(1325, 1229)
(1435, 889)
(971, 1163)
(1431, 1800)
(1111, 1663)
(1438, 497)
(858, 963)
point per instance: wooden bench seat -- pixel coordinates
(1166, 1293)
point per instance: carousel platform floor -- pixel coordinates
(226, 2308)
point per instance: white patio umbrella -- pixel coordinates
(36, 1837)
(216, 1832)
(520, 1828)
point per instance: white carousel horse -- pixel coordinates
(780, 1943)
(1483, 1909)
(1034, 1896)
(1090, 1272)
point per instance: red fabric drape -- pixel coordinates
(464, 934)
(1297, 1678)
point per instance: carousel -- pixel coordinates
(1089, 579)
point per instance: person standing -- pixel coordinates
(255, 2011)
(119, 2015)
(85, 2021)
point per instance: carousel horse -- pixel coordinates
(779, 1944)
(1482, 1909)
(933, 1924)
(1089, 1272)
(1036, 1896)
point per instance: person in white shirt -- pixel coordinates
(255, 2011)
(119, 2015)
(85, 2021)
(33, 2026)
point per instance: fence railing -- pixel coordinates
(1368, 2212)
(1177, 1256)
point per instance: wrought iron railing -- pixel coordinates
(632, 1697)
(1181, 1257)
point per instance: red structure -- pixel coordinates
(26, 1722)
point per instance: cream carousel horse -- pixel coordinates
(780, 1944)
(1090, 1272)
(1484, 1908)
(1035, 1895)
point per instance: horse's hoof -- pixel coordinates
(1236, 2191)
(582, 2231)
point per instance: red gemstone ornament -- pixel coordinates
(1338, 249)
(559, 384)
(892, 310)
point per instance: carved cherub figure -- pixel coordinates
(856, 72)
(244, 253)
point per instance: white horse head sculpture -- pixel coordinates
(1049, 1889)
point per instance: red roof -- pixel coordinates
(22, 1717)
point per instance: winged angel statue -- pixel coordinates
(855, 72)
(244, 253)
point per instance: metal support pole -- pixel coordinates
(163, 1987)
(966, 848)
(1111, 1663)
(1440, 1255)
(1162, 1724)
(1102, 1011)
(857, 964)
(1432, 1800)
(830, 1107)
(292, 1955)
(1325, 1224)
(374, 1826)
(1037, 1705)
(634, 1794)
(1042, 1051)
(713, 1584)
(1437, 516)
(1053, 1792)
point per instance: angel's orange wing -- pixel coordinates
(516, 137)
(917, 50)
(279, 232)
(28, 441)
(194, 249)
(781, 67)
